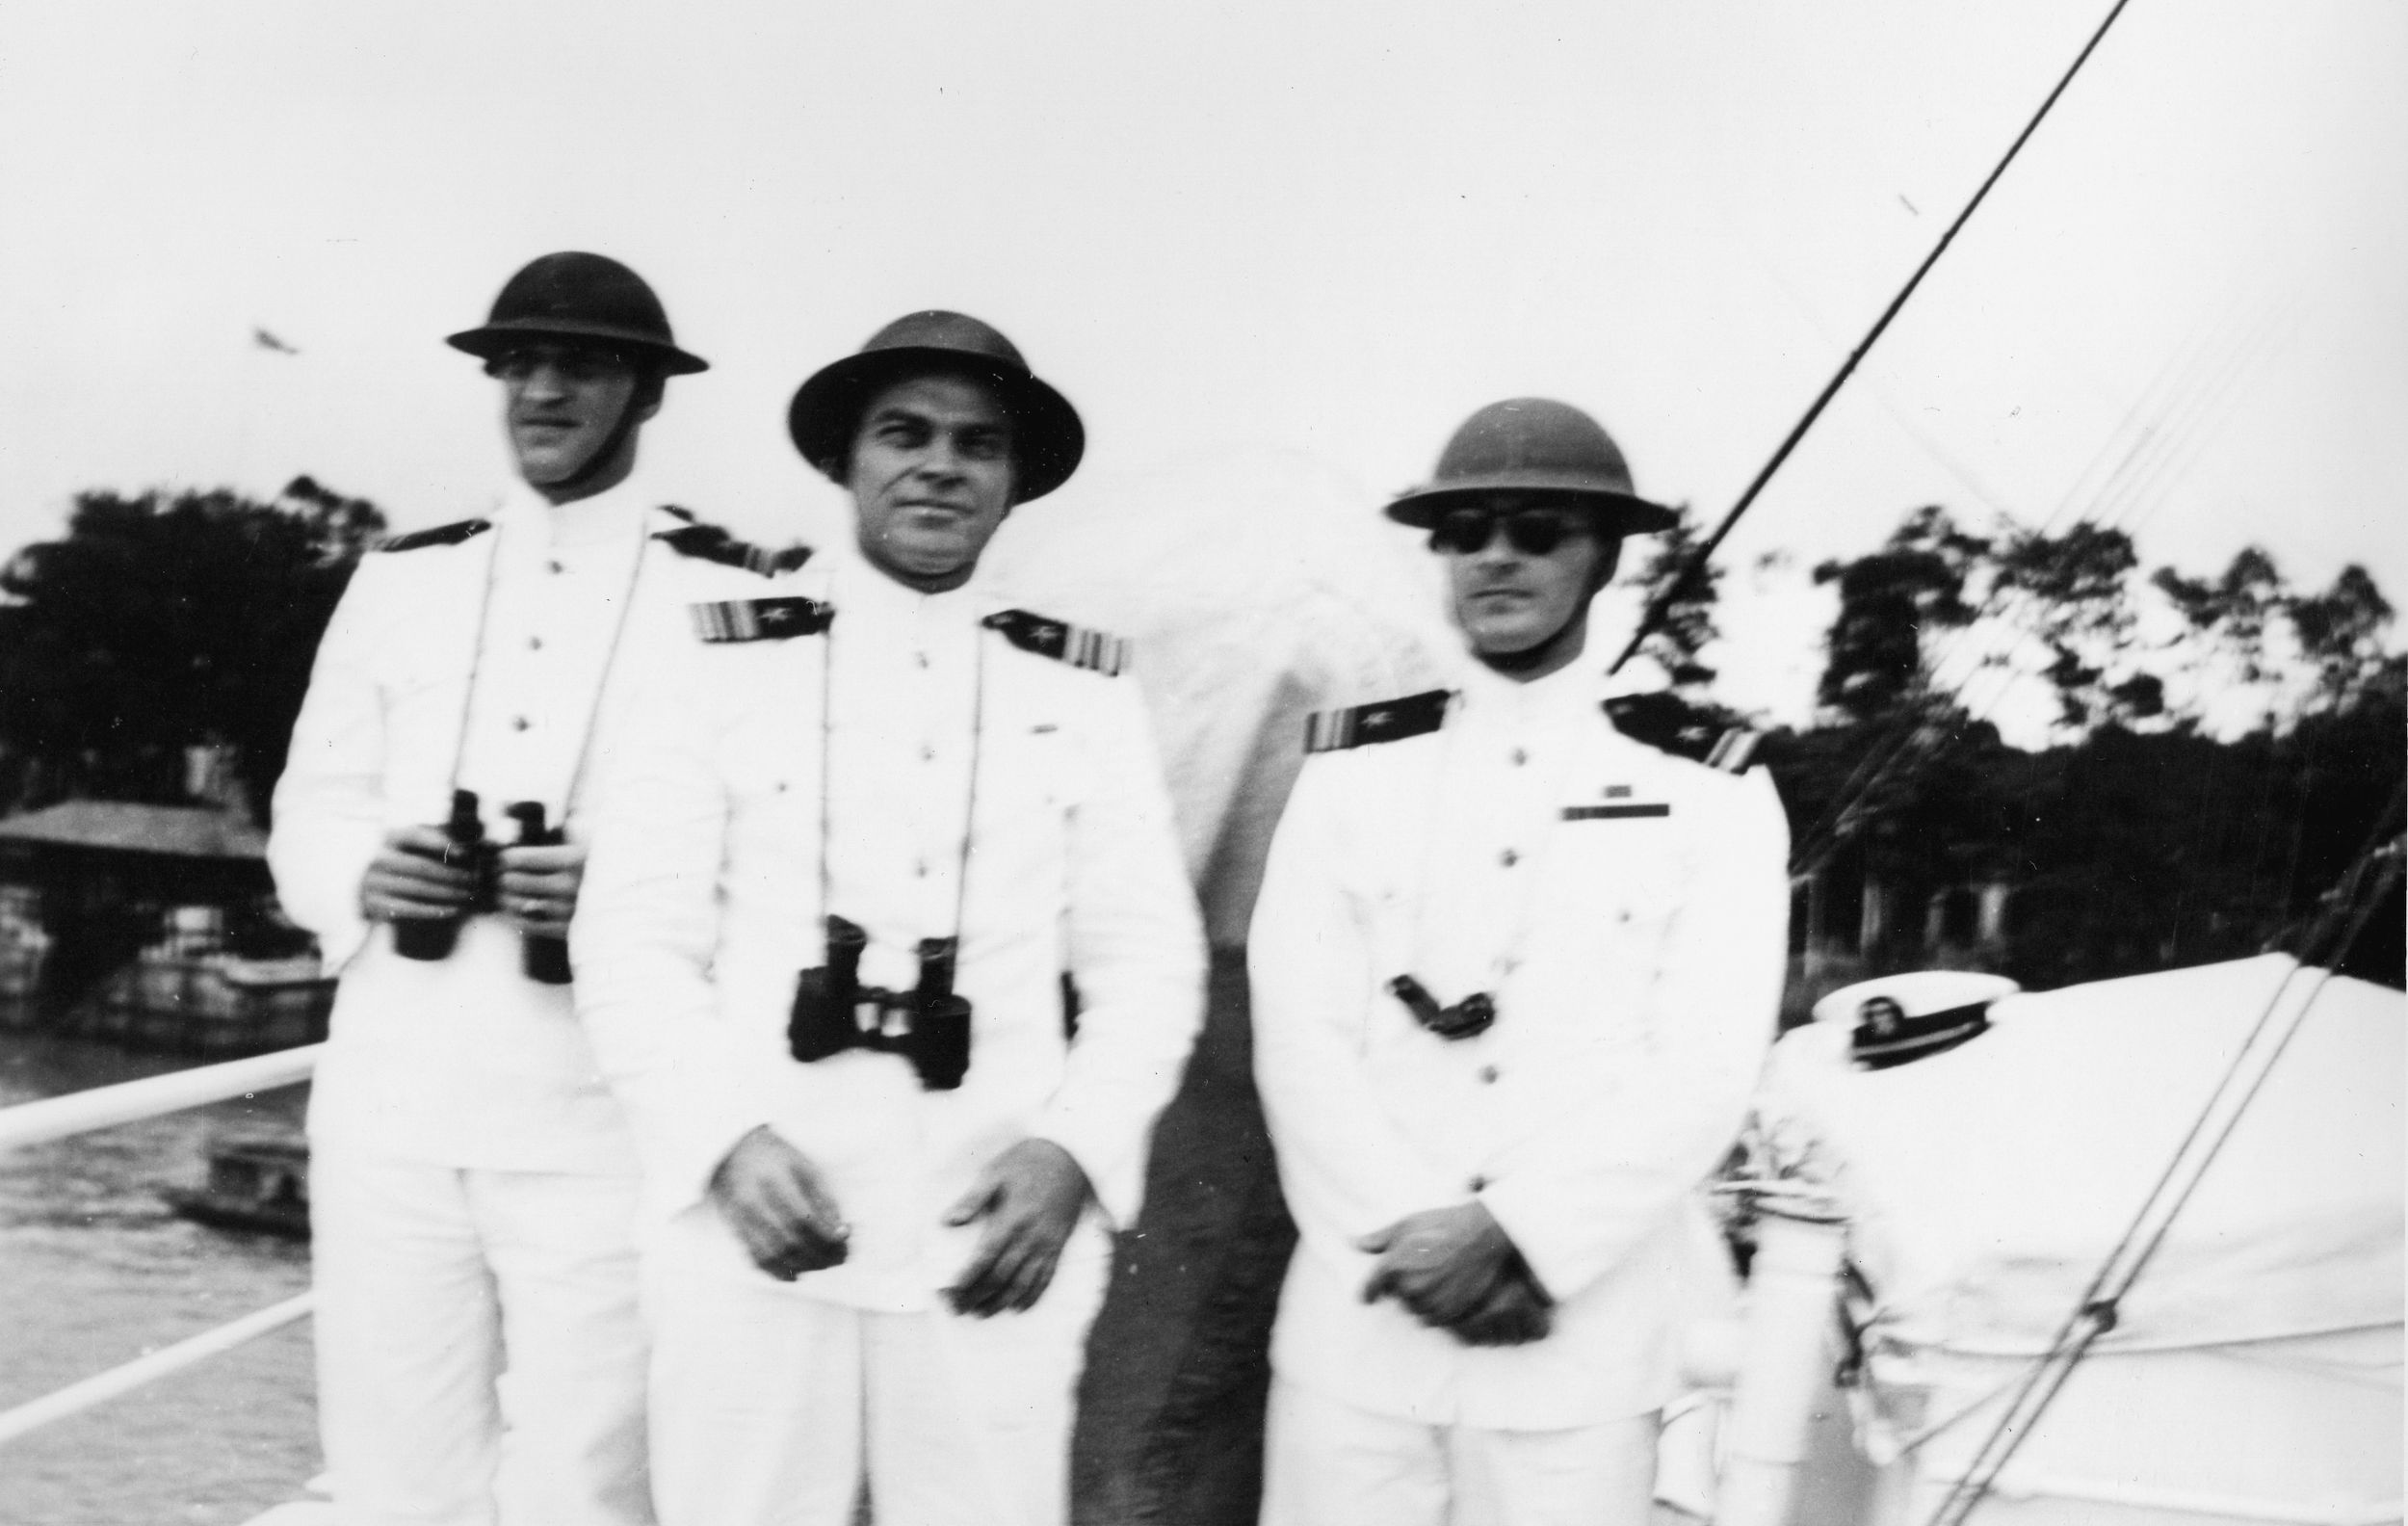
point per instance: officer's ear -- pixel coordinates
(1609, 558)
(650, 388)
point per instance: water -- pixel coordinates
(95, 1270)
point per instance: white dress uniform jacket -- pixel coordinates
(930, 746)
(1627, 910)
(463, 1062)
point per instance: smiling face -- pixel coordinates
(1521, 574)
(932, 478)
(563, 405)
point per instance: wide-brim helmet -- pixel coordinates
(575, 296)
(1535, 446)
(1047, 437)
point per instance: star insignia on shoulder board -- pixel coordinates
(760, 619)
(1668, 723)
(1079, 646)
(712, 542)
(1382, 721)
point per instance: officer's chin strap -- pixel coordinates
(608, 451)
(1535, 656)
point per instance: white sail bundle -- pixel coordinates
(2251, 1372)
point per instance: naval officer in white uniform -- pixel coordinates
(1513, 975)
(473, 1185)
(883, 1180)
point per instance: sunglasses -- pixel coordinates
(573, 362)
(1532, 532)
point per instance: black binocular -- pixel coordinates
(543, 958)
(927, 1025)
(1467, 1019)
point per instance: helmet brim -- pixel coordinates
(1620, 514)
(492, 339)
(1048, 440)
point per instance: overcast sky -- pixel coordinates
(1323, 231)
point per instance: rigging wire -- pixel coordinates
(1661, 605)
(2326, 945)
(2201, 389)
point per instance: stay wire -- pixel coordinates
(1661, 605)
(2354, 901)
(2204, 386)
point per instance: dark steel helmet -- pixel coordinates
(1535, 445)
(578, 296)
(1047, 437)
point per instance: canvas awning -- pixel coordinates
(181, 831)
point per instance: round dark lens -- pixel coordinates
(1536, 533)
(1462, 531)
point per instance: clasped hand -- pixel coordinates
(769, 1193)
(1030, 1197)
(1455, 1269)
(421, 873)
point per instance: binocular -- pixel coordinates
(927, 1025)
(1467, 1019)
(542, 958)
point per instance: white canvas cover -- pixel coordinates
(2255, 1369)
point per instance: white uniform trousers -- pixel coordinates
(766, 1400)
(1329, 1463)
(481, 1351)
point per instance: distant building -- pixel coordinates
(153, 923)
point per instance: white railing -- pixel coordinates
(105, 1107)
(77, 1397)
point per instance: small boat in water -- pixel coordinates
(258, 1183)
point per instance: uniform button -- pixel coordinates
(555, 566)
(1479, 1184)
(520, 723)
(534, 643)
(920, 870)
(922, 658)
(1509, 857)
(927, 754)
(1520, 757)
(1506, 966)
(1488, 1075)
(1622, 915)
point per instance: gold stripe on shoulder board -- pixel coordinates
(760, 619)
(1079, 646)
(1382, 721)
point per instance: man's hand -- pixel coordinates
(418, 874)
(539, 887)
(1441, 1263)
(1030, 1197)
(1516, 1311)
(771, 1195)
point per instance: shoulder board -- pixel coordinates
(1098, 652)
(440, 535)
(760, 619)
(1665, 724)
(712, 543)
(1384, 721)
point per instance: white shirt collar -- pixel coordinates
(856, 583)
(1572, 689)
(619, 513)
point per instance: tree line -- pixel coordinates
(2219, 752)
